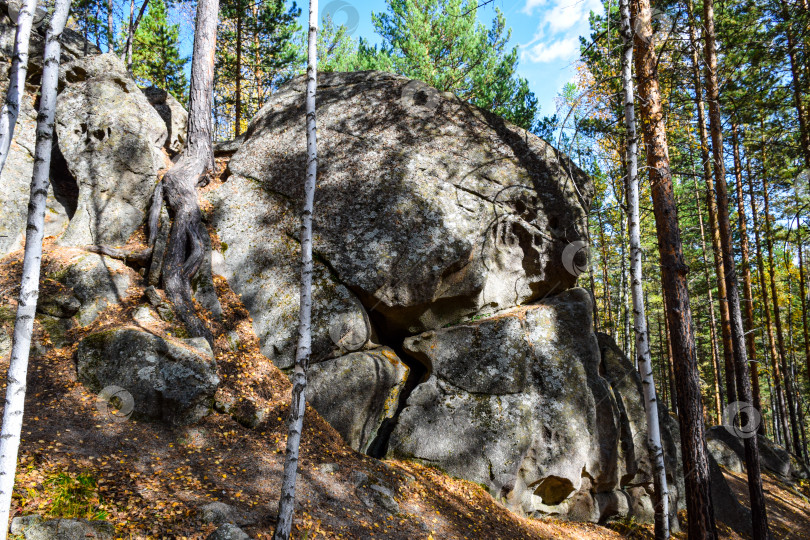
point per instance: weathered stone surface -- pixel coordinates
(357, 392)
(20, 523)
(15, 186)
(427, 218)
(725, 456)
(172, 113)
(70, 529)
(167, 378)
(262, 264)
(772, 457)
(96, 281)
(111, 140)
(228, 531)
(550, 421)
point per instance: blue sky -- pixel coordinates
(546, 32)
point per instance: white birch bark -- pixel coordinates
(29, 287)
(16, 83)
(643, 359)
(298, 402)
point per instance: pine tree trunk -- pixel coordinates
(185, 249)
(674, 282)
(803, 294)
(776, 372)
(746, 272)
(711, 207)
(17, 74)
(718, 389)
(777, 317)
(608, 308)
(804, 129)
(238, 122)
(298, 402)
(673, 394)
(110, 27)
(758, 512)
(32, 261)
(643, 356)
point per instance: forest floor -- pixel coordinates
(150, 479)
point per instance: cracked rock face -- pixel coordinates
(525, 403)
(111, 140)
(427, 218)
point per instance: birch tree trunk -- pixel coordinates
(674, 281)
(16, 83)
(133, 27)
(32, 259)
(298, 402)
(759, 516)
(643, 356)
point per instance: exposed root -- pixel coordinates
(137, 259)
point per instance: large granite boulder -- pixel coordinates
(426, 218)
(168, 379)
(772, 457)
(111, 139)
(516, 402)
(357, 392)
(172, 113)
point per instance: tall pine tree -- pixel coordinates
(156, 52)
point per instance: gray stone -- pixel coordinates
(97, 282)
(357, 392)
(172, 113)
(772, 457)
(70, 529)
(553, 422)
(15, 185)
(612, 505)
(167, 379)
(5, 343)
(61, 305)
(422, 236)
(228, 531)
(220, 513)
(20, 523)
(111, 140)
(725, 456)
(144, 316)
(263, 266)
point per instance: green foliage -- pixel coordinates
(258, 43)
(441, 43)
(156, 56)
(75, 496)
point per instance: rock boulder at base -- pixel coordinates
(168, 379)
(70, 529)
(111, 140)
(516, 402)
(426, 218)
(357, 392)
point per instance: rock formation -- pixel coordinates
(447, 325)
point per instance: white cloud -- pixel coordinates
(557, 50)
(532, 4)
(566, 14)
